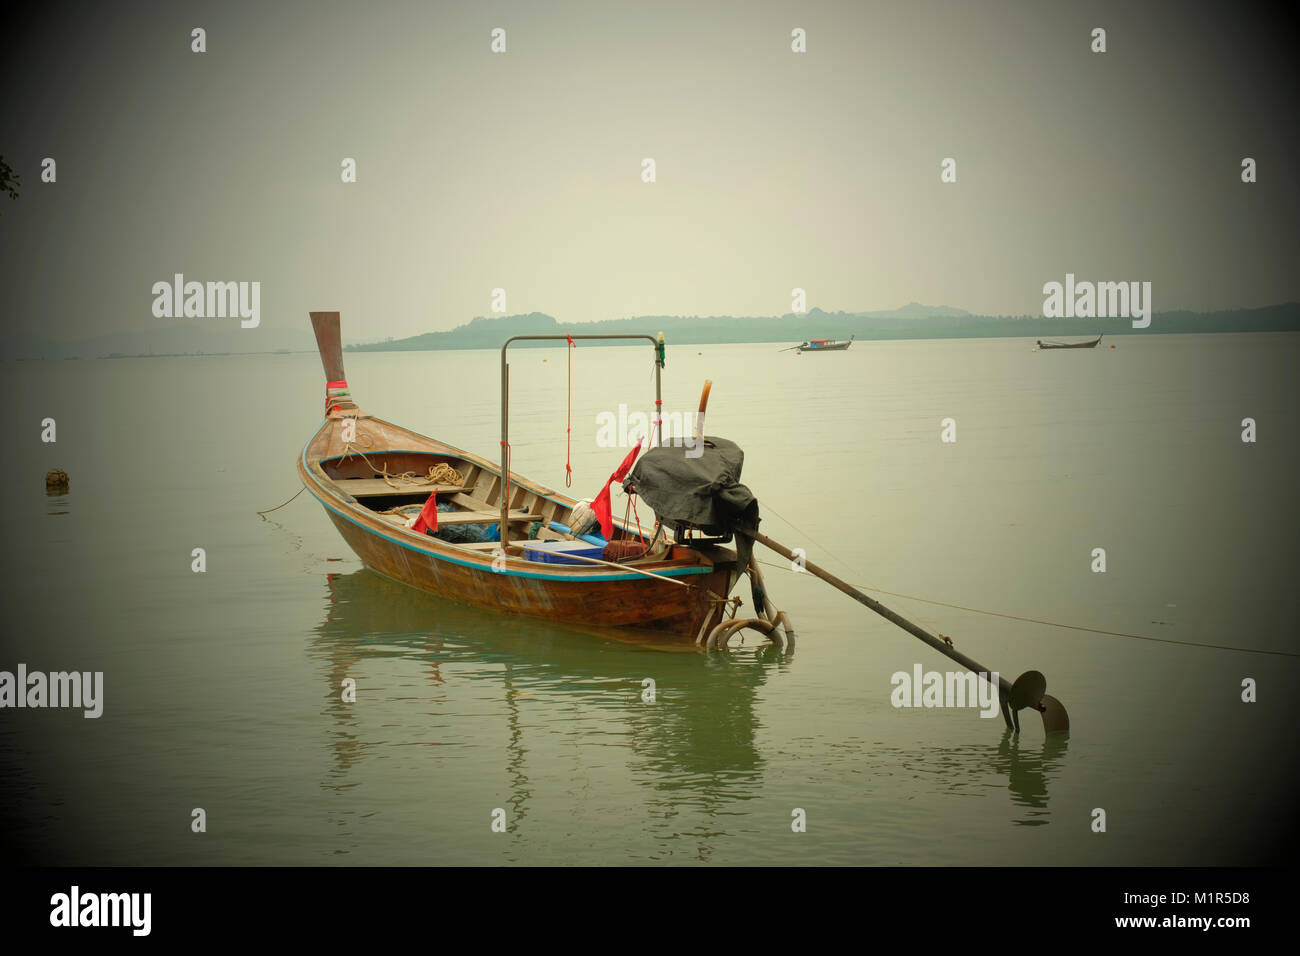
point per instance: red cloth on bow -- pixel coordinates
(601, 504)
(428, 515)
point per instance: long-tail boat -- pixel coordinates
(366, 473)
(1070, 345)
(372, 477)
(823, 345)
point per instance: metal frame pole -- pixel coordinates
(505, 406)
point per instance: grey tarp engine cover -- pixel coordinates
(704, 491)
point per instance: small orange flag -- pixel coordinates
(428, 515)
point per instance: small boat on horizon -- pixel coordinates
(823, 345)
(1070, 345)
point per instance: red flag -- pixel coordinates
(601, 504)
(428, 515)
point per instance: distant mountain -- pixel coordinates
(913, 310)
(479, 333)
(913, 321)
(484, 332)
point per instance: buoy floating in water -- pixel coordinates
(56, 482)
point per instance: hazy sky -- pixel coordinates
(522, 170)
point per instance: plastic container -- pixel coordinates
(558, 552)
(589, 538)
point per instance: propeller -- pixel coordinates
(1030, 690)
(1055, 719)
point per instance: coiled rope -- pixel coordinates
(439, 474)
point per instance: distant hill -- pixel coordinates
(913, 310)
(913, 321)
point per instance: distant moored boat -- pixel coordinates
(1069, 345)
(824, 345)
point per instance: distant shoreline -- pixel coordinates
(484, 333)
(786, 330)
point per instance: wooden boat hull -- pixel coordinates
(1070, 345)
(639, 604)
(686, 605)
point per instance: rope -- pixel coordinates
(351, 448)
(629, 508)
(439, 474)
(568, 419)
(843, 564)
(1029, 620)
(1069, 627)
(349, 451)
(338, 396)
(278, 507)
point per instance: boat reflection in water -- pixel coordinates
(1028, 767)
(434, 673)
(1027, 763)
(458, 705)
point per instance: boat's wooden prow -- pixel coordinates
(329, 343)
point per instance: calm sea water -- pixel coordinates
(222, 689)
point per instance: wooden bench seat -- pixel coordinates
(482, 517)
(378, 488)
(446, 518)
